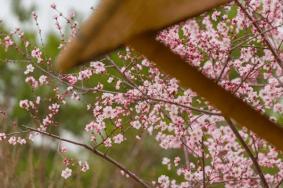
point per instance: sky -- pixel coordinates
(44, 11)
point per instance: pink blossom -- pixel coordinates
(29, 69)
(26, 104)
(164, 181)
(8, 42)
(37, 54)
(108, 143)
(136, 124)
(43, 80)
(53, 6)
(93, 126)
(2, 136)
(98, 67)
(84, 166)
(54, 108)
(12, 140)
(32, 81)
(71, 79)
(21, 140)
(85, 74)
(118, 139)
(66, 173)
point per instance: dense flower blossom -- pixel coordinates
(164, 181)
(132, 95)
(12, 140)
(26, 104)
(98, 67)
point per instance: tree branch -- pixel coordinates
(249, 152)
(94, 151)
(265, 40)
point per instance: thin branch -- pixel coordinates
(265, 40)
(280, 182)
(246, 77)
(131, 83)
(249, 152)
(225, 65)
(203, 163)
(254, 36)
(94, 151)
(185, 106)
(16, 133)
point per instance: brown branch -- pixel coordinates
(94, 151)
(185, 106)
(280, 182)
(249, 152)
(254, 36)
(245, 78)
(225, 66)
(132, 84)
(203, 163)
(265, 40)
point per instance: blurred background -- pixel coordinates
(17, 13)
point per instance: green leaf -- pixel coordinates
(233, 12)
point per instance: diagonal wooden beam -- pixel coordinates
(116, 21)
(225, 101)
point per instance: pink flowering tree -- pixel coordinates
(129, 101)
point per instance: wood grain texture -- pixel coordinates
(113, 22)
(226, 102)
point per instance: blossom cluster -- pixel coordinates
(238, 48)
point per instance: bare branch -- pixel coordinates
(94, 151)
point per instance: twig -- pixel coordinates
(265, 40)
(249, 152)
(225, 65)
(185, 106)
(250, 39)
(94, 151)
(203, 163)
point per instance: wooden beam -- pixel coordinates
(116, 21)
(226, 102)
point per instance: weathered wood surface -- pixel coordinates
(223, 100)
(115, 21)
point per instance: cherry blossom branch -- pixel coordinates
(128, 81)
(249, 152)
(254, 36)
(225, 65)
(94, 151)
(18, 132)
(265, 40)
(185, 106)
(77, 88)
(131, 83)
(245, 78)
